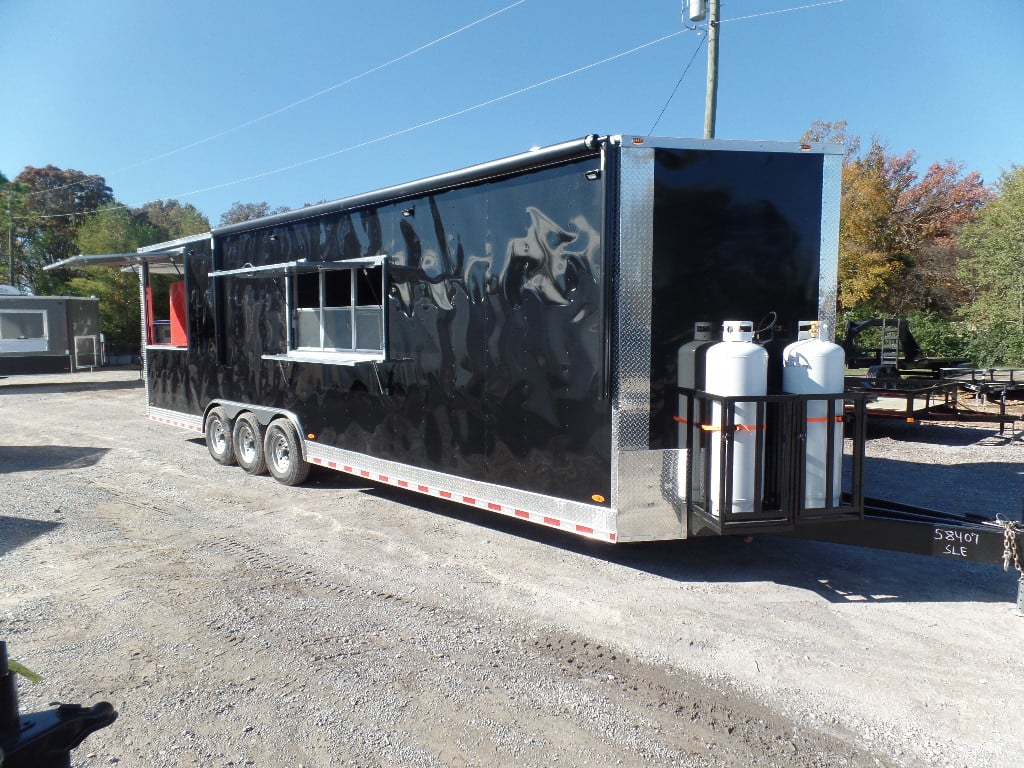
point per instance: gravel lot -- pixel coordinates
(234, 621)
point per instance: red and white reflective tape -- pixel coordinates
(472, 501)
(174, 423)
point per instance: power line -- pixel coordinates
(327, 90)
(301, 101)
(403, 131)
(679, 82)
(783, 10)
(434, 121)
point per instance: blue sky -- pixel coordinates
(122, 88)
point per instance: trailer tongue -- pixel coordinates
(591, 336)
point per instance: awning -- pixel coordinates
(300, 265)
(165, 262)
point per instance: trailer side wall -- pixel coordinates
(495, 367)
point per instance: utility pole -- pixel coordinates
(711, 99)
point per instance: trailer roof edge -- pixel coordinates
(556, 153)
(732, 145)
(169, 245)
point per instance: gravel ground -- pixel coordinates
(233, 621)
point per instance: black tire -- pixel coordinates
(283, 452)
(219, 440)
(247, 438)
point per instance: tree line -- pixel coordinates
(938, 248)
(49, 214)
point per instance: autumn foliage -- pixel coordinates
(898, 248)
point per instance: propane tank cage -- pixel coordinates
(780, 467)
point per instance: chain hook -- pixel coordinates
(1011, 550)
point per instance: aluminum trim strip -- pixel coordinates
(173, 244)
(300, 265)
(632, 376)
(828, 266)
(583, 519)
(525, 161)
(728, 145)
(143, 327)
(175, 419)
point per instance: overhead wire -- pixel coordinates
(723, 21)
(700, 44)
(331, 88)
(402, 131)
(457, 113)
(782, 10)
(303, 100)
(431, 122)
(409, 129)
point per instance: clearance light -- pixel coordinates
(598, 498)
(638, 140)
(805, 147)
(310, 435)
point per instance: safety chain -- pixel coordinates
(1011, 551)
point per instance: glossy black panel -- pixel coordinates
(494, 323)
(736, 237)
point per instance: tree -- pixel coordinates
(897, 233)
(11, 202)
(993, 270)
(175, 220)
(113, 229)
(47, 209)
(116, 229)
(239, 212)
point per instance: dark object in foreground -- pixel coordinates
(43, 739)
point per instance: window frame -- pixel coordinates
(321, 353)
(25, 343)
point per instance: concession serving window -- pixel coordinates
(335, 309)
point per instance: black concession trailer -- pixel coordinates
(49, 334)
(509, 336)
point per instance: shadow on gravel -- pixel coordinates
(31, 458)
(838, 573)
(15, 531)
(953, 435)
(12, 387)
(952, 488)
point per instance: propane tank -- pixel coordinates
(690, 369)
(736, 366)
(813, 366)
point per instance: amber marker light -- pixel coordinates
(638, 140)
(310, 435)
(598, 498)
(805, 147)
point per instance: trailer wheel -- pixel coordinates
(218, 437)
(247, 437)
(284, 453)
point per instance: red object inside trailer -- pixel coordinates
(179, 328)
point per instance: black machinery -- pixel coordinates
(43, 739)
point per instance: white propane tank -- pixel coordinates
(686, 377)
(736, 366)
(813, 366)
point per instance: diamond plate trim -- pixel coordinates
(828, 275)
(650, 490)
(633, 279)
